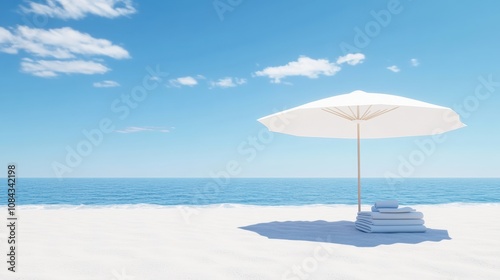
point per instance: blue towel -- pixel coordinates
(410, 222)
(389, 229)
(396, 210)
(387, 204)
(390, 216)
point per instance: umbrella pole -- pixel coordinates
(359, 173)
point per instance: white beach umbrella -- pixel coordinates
(361, 115)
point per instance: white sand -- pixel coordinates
(208, 243)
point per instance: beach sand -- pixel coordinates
(249, 242)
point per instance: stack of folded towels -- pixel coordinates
(387, 216)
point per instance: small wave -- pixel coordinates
(87, 206)
(220, 205)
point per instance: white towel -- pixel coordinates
(389, 229)
(395, 210)
(390, 222)
(387, 204)
(391, 216)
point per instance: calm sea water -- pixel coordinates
(112, 191)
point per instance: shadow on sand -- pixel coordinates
(341, 232)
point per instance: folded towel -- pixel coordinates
(387, 204)
(395, 210)
(391, 216)
(392, 210)
(389, 222)
(389, 229)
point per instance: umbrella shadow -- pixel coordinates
(341, 232)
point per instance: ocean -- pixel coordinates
(274, 192)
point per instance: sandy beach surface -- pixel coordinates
(249, 242)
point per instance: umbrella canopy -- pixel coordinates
(361, 115)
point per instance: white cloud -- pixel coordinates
(66, 45)
(304, 66)
(309, 67)
(135, 129)
(227, 82)
(106, 84)
(77, 9)
(351, 58)
(394, 68)
(51, 68)
(184, 81)
(5, 38)
(414, 62)
(60, 43)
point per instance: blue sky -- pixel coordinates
(122, 88)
